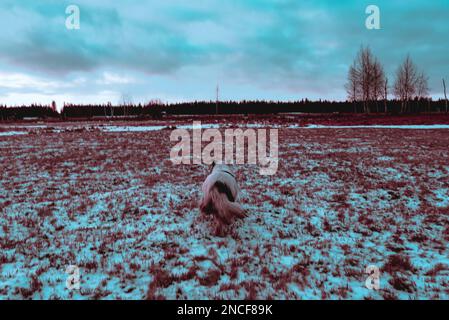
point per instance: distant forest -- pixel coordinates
(159, 110)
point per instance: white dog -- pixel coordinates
(220, 192)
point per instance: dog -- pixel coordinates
(220, 193)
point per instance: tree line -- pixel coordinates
(32, 111)
(157, 111)
(368, 85)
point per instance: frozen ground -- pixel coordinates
(112, 204)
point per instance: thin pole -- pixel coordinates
(386, 95)
(216, 101)
(445, 95)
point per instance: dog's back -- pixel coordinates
(220, 194)
(225, 178)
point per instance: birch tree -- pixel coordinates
(422, 88)
(366, 79)
(352, 85)
(406, 83)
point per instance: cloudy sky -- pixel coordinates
(178, 50)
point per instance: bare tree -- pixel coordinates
(126, 102)
(445, 95)
(111, 109)
(366, 79)
(385, 95)
(352, 85)
(422, 88)
(378, 83)
(422, 85)
(406, 81)
(365, 63)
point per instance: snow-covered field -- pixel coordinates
(110, 202)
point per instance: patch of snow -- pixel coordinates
(442, 197)
(155, 128)
(12, 133)
(26, 126)
(131, 128)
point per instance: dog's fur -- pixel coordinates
(220, 193)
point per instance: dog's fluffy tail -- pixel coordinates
(225, 209)
(217, 203)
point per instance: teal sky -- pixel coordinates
(179, 50)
